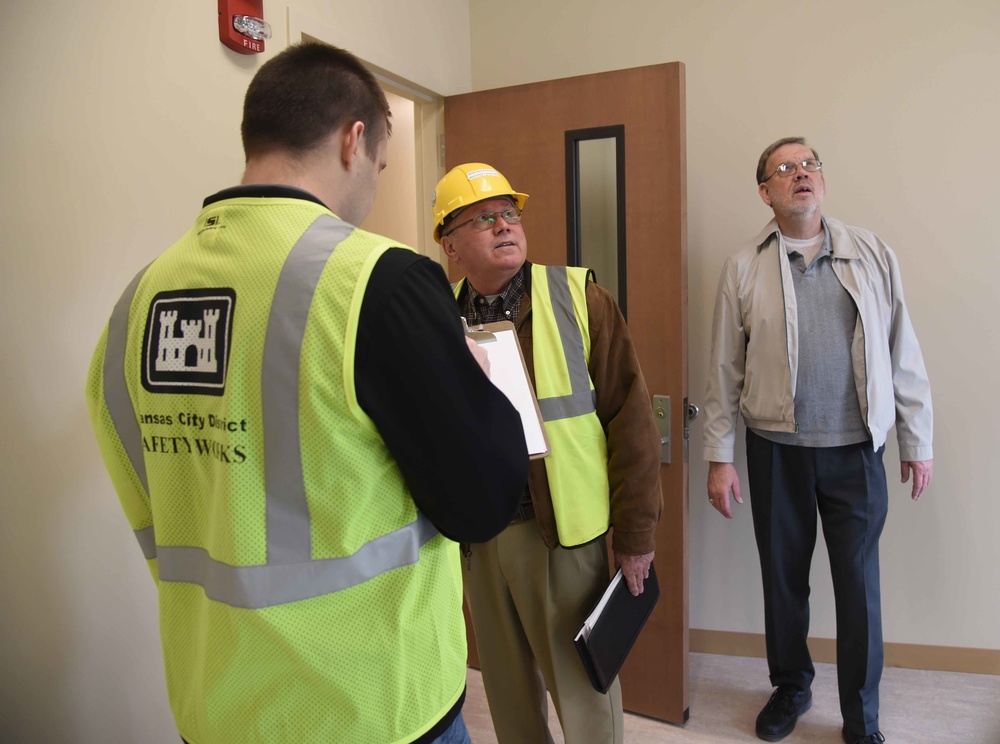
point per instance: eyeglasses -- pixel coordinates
(486, 220)
(788, 169)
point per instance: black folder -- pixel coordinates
(609, 632)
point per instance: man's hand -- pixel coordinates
(923, 471)
(482, 358)
(635, 568)
(723, 480)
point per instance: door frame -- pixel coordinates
(428, 123)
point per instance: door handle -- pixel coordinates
(691, 412)
(661, 414)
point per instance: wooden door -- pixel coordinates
(521, 131)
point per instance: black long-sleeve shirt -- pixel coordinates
(457, 439)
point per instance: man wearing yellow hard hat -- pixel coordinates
(530, 588)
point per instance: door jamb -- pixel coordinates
(428, 124)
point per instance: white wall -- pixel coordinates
(116, 122)
(900, 99)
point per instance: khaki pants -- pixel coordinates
(527, 603)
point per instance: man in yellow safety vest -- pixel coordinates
(530, 588)
(294, 423)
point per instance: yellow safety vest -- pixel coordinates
(303, 598)
(577, 468)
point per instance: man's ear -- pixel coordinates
(448, 246)
(762, 190)
(350, 144)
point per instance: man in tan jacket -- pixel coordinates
(813, 346)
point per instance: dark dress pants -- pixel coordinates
(847, 486)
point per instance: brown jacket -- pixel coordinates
(623, 407)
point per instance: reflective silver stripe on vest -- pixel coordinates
(582, 400)
(290, 574)
(119, 402)
(116, 396)
(147, 541)
(254, 587)
(289, 538)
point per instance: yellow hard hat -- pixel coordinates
(467, 184)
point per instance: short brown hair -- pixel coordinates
(305, 93)
(762, 163)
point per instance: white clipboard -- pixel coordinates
(509, 373)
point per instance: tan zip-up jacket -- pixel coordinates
(754, 360)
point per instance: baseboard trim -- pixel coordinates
(906, 655)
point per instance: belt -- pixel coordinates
(525, 511)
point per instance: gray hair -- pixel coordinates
(762, 163)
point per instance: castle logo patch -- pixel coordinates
(187, 341)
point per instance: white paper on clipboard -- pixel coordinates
(509, 374)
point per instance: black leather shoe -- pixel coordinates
(852, 738)
(777, 719)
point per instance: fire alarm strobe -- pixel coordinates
(242, 27)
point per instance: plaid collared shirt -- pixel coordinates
(477, 309)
